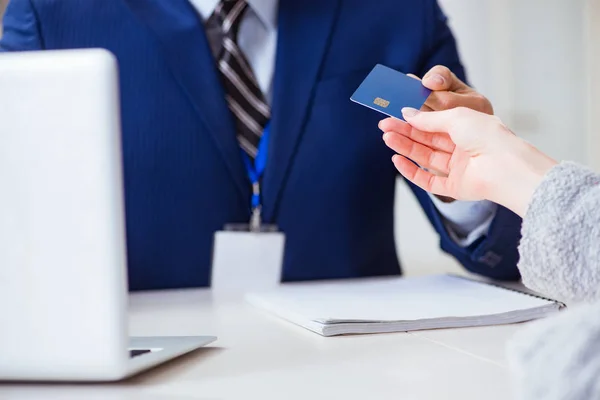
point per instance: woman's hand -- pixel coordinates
(448, 92)
(481, 157)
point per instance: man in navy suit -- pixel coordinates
(201, 78)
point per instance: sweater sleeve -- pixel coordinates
(560, 245)
(558, 358)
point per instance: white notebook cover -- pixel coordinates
(400, 304)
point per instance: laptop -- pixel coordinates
(63, 277)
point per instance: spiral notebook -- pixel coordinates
(401, 304)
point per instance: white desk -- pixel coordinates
(259, 356)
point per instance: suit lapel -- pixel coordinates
(304, 33)
(181, 35)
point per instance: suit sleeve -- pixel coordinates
(494, 255)
(21, 27)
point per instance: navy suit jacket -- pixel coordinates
(329, 182)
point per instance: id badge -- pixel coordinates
(245, 260)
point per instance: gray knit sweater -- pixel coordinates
(559, 358)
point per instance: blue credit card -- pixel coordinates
(389, 91)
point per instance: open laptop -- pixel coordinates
(63, 278)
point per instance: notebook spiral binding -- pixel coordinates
(561, 304)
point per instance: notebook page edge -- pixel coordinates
(258, 301)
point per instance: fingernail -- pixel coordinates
(438, 79)
(386, 136)
(394, 158)
(408, 112)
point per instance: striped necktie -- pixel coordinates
(244, 97)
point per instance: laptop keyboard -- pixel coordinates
(135, 353)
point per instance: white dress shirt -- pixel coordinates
(257, 38)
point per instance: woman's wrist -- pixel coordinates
(529, 168)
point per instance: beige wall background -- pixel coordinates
(592, 27)
(535, 60)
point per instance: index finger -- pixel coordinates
(434, 121)
(438, 101)
(434, 140)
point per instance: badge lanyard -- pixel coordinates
(255, 173)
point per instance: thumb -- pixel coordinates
(441, 78)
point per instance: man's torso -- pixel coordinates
(329, 184)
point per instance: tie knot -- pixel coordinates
(228, 15)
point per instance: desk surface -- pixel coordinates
(259, 356)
